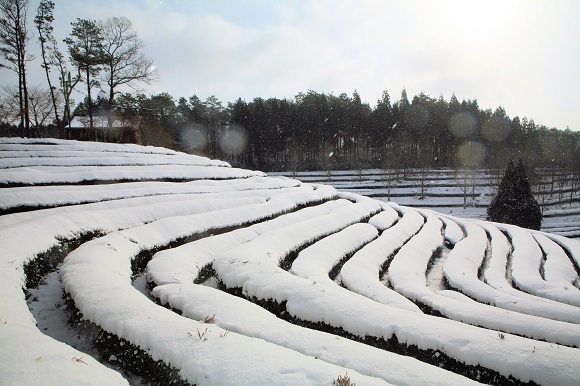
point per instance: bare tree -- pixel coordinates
(41, 105)
(423, 173)
(52, 57)
(13, 41)
(464, 177)
(126, 64)
(292, 158)
(9, 103)
(391, 170)
(5, 113)
(327, 160)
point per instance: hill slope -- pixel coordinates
(254, 279)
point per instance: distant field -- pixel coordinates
(444, 190)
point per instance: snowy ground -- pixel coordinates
(271, 280)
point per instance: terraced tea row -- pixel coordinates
(261, 279)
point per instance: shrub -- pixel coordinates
(514, 202)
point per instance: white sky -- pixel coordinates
(523, 55)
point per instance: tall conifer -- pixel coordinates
(87, 53)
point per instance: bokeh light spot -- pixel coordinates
(471, 153)
(462, 125)
(234, 140)
(194, 138)
(496, 129)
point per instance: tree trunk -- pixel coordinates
(20, 82)
(90, 106)
(52, 96)
(20, 101)
(25, 95)
(111, 99)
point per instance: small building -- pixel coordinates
(120, 131)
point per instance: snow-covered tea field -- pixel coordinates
(462, 193)
(128, 264)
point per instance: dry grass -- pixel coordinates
(343, 381)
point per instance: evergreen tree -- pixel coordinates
(514, 202)
(87, 53)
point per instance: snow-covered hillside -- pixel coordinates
(178, 268)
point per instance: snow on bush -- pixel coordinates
(315, 262)
(53, 196)
(569, 246)
(361, 273)
(526, 266)
(83, 174)
(407, 271)
(237, 315)
(184, 263)
(215, 231)
(453, 232)
(559, 270)
(386, 218)
(462, 270)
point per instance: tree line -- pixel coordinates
(326, 132)
(320, 130)
(310, 131)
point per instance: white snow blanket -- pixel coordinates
(221, 228)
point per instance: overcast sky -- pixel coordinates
(523, 55)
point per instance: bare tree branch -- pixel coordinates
(13, 40)
(127, 65)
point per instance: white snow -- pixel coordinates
(78, 174)
(98, 277)
(409, 266)
(315, 262)
(241, 226)
(558, 268)
(462, 266)
(360, 274)
(183, 264)
(238, 315)
(527, 258)
(255, 270)
(386, 218)
(50, 196)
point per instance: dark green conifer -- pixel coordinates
(514, 202)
